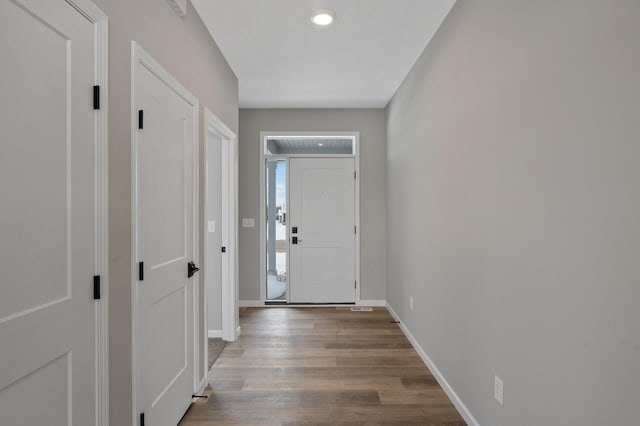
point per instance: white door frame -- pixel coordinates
(263, 218)
(140, 57)
(229, 208)
(100, 22)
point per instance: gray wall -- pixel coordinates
(371, 124)
(514, 206)
(185, 48)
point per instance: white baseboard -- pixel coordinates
(261, 304)
(238, 330)
(214, 334)
(453, 396)
(202, 385)
(250, 303)
(373, 303)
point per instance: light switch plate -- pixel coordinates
(212, 226)
(248, 222)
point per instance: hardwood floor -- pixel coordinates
(321, 366)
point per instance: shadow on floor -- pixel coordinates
(215, 349)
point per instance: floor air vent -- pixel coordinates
(361, 309)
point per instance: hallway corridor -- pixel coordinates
(321, 366)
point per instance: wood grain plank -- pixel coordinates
(321, 366)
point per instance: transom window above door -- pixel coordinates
(309, 145)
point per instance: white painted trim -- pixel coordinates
(238, 331)
(262, 215)
(144, 59)
(261, 304)
(196, 237)
(214, 334)
(251, 304)
(101, 205)
(453, 396)
(372, 303)
(230, 285)
(212, 120)
(357, 218)
(205, 347)
(201, 386)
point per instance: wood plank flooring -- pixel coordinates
(321, 366)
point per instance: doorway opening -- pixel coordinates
(220, 232)
(310, 179)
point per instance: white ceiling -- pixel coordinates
(282, 60)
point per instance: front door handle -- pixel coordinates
(191, 269)
(295, 240)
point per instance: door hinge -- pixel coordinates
(140, 119)
(140, 271)
(141, 419)
(96, 97)
(354, 174)
(355, 229)
(355, 284)
(96, 287)
(224, 249)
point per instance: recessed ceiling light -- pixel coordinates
(323, 18)
(320, 144)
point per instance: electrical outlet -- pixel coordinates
(498, 390)
(410, 302)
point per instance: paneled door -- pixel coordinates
(165, 241)
(48, 187)
(322, 230)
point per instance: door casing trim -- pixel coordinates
(100, 20)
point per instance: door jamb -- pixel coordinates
(140, 56)
(262, 215)
(229, 288)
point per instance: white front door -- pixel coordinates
(47, 215)
(322, 230)
(165, 202)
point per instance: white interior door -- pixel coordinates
(322, 211)
(166, 173)
(47, 215)
(213, 258)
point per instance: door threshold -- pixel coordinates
(283, 303)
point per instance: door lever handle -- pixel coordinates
(191, 269)
(295, 240)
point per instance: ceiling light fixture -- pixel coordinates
(323, 18)
(320, 144)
